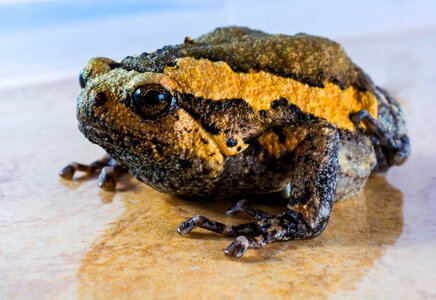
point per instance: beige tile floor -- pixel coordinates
(67, 240)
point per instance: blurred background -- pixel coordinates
(44, 40)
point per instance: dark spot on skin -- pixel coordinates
(279, 132)
(239, 148)
(100, 99)
(338, 83)
(282, 102)
(248, 140)
(321, 76)
(263, 113)
(318, 85)
(114, 65)
(185, 164)
(212, 129)
(231, 142)
(275, 104)
(159, 149)
(217, 106)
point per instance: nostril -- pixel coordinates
(100, 99)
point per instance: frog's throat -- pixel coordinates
(216, 81)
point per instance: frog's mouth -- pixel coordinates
(103, 136)
(113, 140)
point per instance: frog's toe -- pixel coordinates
(68, 171)
(107, 180)
(187, 226)
(238, 247)
(109, 170)
(239, 206)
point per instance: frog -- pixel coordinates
(240, 112)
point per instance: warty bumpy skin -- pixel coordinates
(236, 112)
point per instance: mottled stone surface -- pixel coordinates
(69, 240)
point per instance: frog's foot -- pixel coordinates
(238, 247)
(109, 170)
(199, 221)
(255, 235)
(245, 207)
(242, 243)
(390, 150)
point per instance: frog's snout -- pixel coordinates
(89, 104)
(96, 66)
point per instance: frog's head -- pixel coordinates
(136, 118)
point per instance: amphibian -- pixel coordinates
(238, 111)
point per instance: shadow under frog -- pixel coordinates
(141, 255)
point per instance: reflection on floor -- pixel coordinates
(141, 252)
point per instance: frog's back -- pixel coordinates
(308, 59)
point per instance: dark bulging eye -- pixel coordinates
(151, 97)
(151, 101)
(81, 80)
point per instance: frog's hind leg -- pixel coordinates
(315, 164)
(227, 230)
(245, 207)
(109, 170)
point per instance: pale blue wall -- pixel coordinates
(43, 38)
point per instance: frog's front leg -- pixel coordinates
(109, 170)
(315, 164)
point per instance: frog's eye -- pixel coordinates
(151, 101)
(81, 79)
